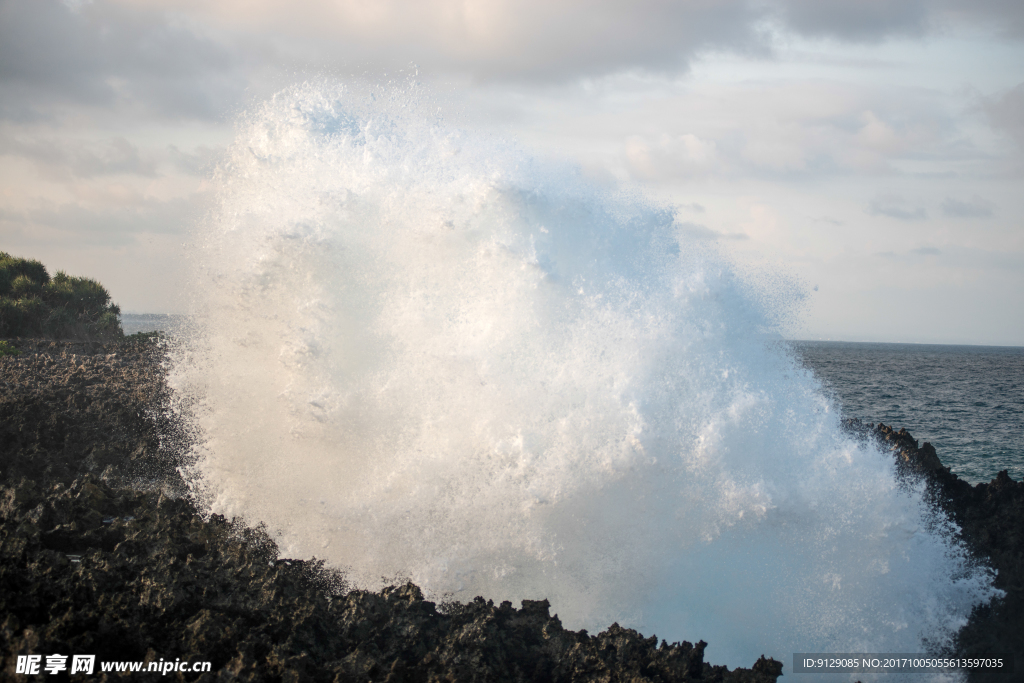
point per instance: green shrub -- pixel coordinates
(11, 267)
(33, 304)
(7, 349)
(23, 285)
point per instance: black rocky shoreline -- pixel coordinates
(991, 522)
(100, 553)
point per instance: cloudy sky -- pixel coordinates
(871, 149)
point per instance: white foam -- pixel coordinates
(429, 355)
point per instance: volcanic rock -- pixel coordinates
(102, 553)
(990, 518)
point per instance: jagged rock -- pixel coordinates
(100, 554)
(991, 521)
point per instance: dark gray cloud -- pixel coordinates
(106, 55)
(848, 20)
(182, 59)
(595, 38)
(1007, 112)
(1006, 17)
(973, 208)
(896, 207)
(556, 39)
(517, 40)
(876, 20)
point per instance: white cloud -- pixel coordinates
(111, 111)
(894, 206)
(66, 159)
(792, 128)
(877, 134)
(703, 232)
(114, 224)
(201, 162)
(670, 156)
(972, 208)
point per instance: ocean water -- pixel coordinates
(132, 323)
(968, 401)
(423, 354)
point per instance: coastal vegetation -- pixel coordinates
(32, 304)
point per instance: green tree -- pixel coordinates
(64, 307)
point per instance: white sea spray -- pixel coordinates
(425, 354)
